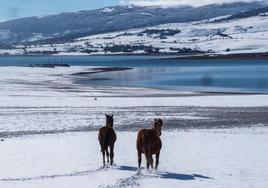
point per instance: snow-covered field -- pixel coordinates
(195, 158)
(48, 129)
(245, 35)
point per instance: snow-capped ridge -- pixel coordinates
(245, 35)
(107, 9)
(111, 19)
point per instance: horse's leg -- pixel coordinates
(139, 159)
(147, 165)
(157, 160)
(149, 157)
(107, 155)
(152, 161)
(103, 155)
(112, 154)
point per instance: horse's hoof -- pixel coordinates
(154, 171)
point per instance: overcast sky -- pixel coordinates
(10, 9)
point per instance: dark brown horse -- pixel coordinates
(149, 143)
(107, 138)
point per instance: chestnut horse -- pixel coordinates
(107, 138)
(149, 143)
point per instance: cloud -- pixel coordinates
(178, 2)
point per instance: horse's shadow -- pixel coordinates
(168, 175)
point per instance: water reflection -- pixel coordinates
(197, 75)
(213, 78)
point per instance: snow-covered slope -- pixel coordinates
(68, 26)
(245, 35)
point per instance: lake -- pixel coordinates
(148, 71)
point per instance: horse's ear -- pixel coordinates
(112, 115)
(161, 121)
(106, 115)
(155, 119)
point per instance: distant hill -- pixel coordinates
(68, 26)
(247, 14)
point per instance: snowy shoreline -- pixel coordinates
(162, 56)
(41, 101)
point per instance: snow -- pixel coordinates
(4, 34)
(245, 35)
(108, 10)
(211, 101)
(212, 19)
(41, 99)
(146, 13)
(196, 158)
(45, 99)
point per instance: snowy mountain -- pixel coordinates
(67, 26)
(218, 29)
(217, 35)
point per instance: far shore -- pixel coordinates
(163, 56)
(242, 56)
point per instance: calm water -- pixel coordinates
(195, 75)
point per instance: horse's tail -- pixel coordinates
(147, 153)
(103, 139)
(147, 148)
(106, 140)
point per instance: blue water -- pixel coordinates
(194, 75)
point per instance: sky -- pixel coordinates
(11, 9)
(179, 2)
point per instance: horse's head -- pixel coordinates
(109, 120)
(158, 123)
